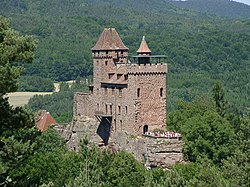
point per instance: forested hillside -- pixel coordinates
(200, 49)
(224, 8)
(217, 140)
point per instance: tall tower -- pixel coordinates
(108, 52)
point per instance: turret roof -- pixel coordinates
(109, 40)
(143, 47)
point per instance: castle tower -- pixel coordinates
(107, 53)
(124, 97)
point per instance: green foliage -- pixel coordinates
(17, 132)
(207, 135)
(224, 8)
(125, 171)
(200, 48)
(218, 96)
(14, 48)
(35, 84)
(59, 104)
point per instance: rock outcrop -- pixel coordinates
(153, 152)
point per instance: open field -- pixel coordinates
(22, 98)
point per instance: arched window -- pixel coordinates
(161, 92)
(138, 92)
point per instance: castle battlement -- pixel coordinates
(159, 68)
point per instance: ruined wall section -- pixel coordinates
(152, 152)
(83, 104)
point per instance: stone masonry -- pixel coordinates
(125, 97)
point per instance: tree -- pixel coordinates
(17, 132)
(219, 98)
(126, 171)
(14, 48)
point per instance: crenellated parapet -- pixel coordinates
(154, 69)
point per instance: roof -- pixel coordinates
(109, 40)
(143, 47)
(45, 120)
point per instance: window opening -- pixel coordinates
(138, 92)
(161, 92)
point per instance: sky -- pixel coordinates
(244, 1)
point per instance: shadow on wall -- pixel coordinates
(104, 129)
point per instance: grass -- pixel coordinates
(22, 98)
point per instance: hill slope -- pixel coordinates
(200, 49)
(224, 8)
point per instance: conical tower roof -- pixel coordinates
(109, 40)
(143, 49)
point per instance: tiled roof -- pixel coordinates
(143, 47)
(45, 120)
(109, 40)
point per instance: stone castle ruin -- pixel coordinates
(126, 100)
(125, 96)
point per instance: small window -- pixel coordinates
(106, 63)
(119, 76)
(126, 77)
(121, 52)
(119, 110)
(161, 92)
(111, 109)
(106, 108)
(121, 124)
(120, 92)
(138, 92)
(107, 52)
(126, 109)
(111, 75)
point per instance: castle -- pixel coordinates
(125, 96)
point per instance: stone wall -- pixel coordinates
(152, 152)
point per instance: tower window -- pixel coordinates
(107, 52)
(161, 92)
(106, 63)
(126, 109)
(138, 92)
(119, 109)
(106, 108)
(111, 109)
(120, 92)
